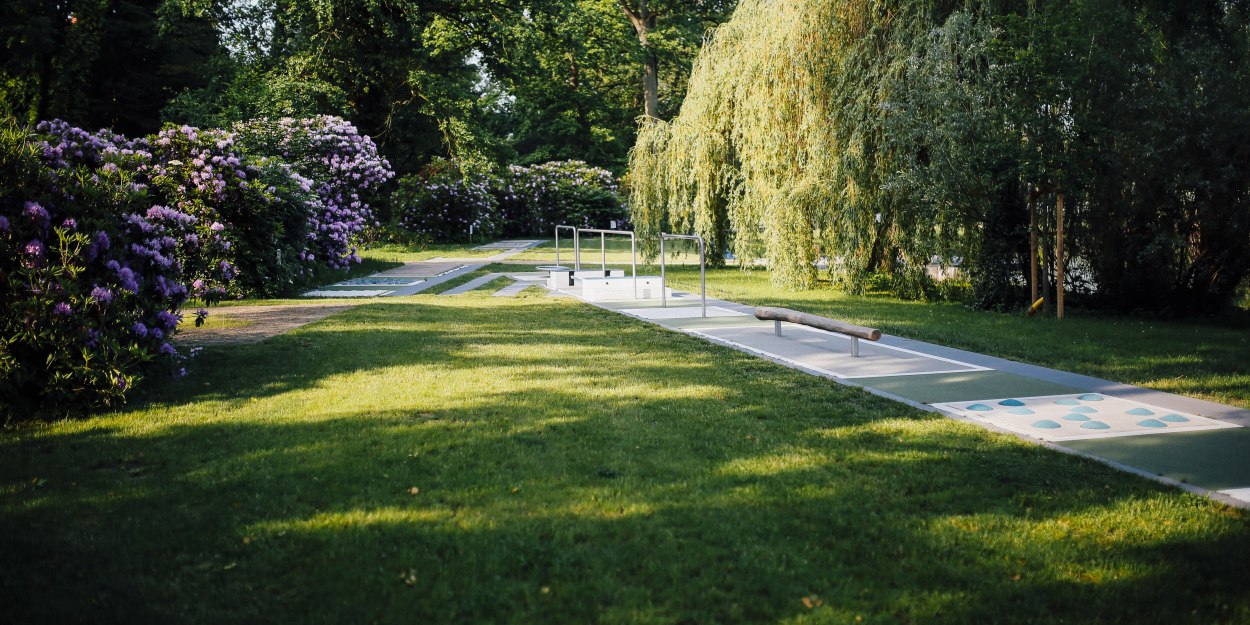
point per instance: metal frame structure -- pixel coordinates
(702, 267)
(633, 251)
(558, 228)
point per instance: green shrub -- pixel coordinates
(445, 204)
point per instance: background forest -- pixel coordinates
(490, 80)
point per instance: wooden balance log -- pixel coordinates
(777, 315)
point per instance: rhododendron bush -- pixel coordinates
(103, 239)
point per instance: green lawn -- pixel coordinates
(536, 460)
(396, 253)
(1206, 358)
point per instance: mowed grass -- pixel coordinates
(535, 460)
(396, 253)
(1206, 358)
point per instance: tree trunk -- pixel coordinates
(643, 20)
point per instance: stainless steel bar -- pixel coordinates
(558, 229)
(702, 267)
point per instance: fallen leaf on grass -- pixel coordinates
(414, 491)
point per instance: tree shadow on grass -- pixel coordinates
(706, 487)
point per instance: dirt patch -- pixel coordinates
(257, 323)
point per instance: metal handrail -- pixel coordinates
(702, 267)
(633, 250)
(558, 228)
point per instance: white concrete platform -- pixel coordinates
(616, 289)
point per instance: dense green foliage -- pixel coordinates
(101, 64)
(454, 202)
(881, 134)
(475, 80)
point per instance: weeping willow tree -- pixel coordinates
(880, 133)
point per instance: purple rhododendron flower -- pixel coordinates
(102, 240)
(216, 227)
(69, 224)
(167, 319)
(4, 224)
(168, 349)
(102, 295)
(37, 214)
(139, 329)
(63, 309)
(156, 333)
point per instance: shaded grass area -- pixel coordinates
(1205, 358)
(532, 460)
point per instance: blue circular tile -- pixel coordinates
(1067, 402)
(1095, 425)
(1021, 411)
(980, 408)
(1152, 423)
(1174, 418)
(1090, 397)
(1140, 412)
(1085, 409)
(1010, 402)
(1046, 424)
(1075, 417)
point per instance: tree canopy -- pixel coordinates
(477, 80)
(880, 134)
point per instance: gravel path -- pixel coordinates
(262, 322)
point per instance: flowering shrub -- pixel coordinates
(90, 282)
(335, 162)
(444, 204)
(535, 199)
(104, 238)
(252, 215)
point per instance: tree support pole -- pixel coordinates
(1032, 246)
(1059, 255)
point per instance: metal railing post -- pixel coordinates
(663, 291)
(702, 266)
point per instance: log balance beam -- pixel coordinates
(777, 315)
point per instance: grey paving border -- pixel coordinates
(1115, 389)
(451, 275)
(471, 284)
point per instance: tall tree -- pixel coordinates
(100, 63)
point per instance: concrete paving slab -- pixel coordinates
(348, 293)
(512, 290)
(830, 353)
(472, 284)
(682, 312)
(420, 270)
(1216, 460)
(950, 387)
(1079, 416)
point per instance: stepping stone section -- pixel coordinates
(1069, 417)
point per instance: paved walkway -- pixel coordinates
(1196, 445)
(415, 277)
